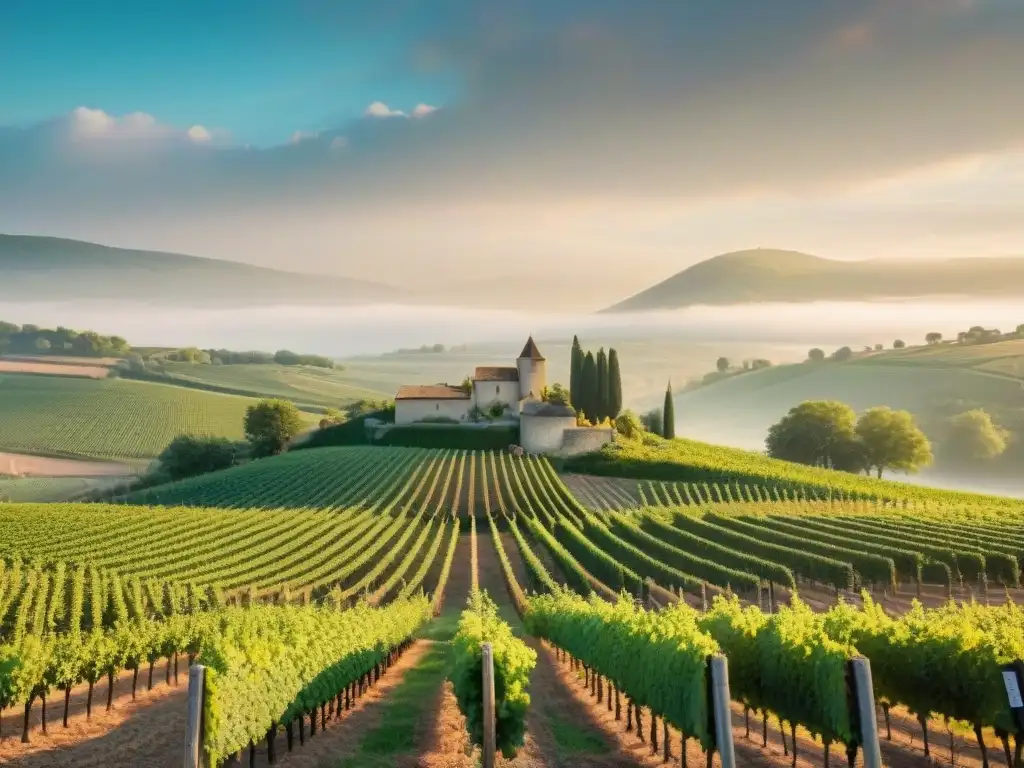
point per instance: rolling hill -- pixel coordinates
(768, 275)
(108, 418)
(59, 269)
(934, 383)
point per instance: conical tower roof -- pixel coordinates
(530, 351)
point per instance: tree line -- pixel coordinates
(31, 339)
(827, 433)
(249, 357)
(595, 383)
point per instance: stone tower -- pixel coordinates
(532, 371)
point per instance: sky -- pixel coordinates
(515, 154)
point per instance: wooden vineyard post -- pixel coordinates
(865, 703)
(490, 737)
(722, 714)
(194, 716)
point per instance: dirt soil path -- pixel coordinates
(19, 464)
(560, 730)
(147, 731)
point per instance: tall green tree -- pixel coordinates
(602, 385)
(588, 387)
(892, 440)
(973, 436)
(819, 433)
(270, 425)
(614, 384)
(576, 374)
(669, 411)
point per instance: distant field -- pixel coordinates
(102, 362)
(1004, 357)
(19, 465)
(49, 489)
(304, 385)
(53, 369)
(109, 418)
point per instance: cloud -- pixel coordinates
(199, 134)
(380, 109)
(88, 124)
(338, 143)
(422, 110)
(300, 136)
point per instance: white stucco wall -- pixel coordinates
(486, 392)
(577, 440)
(408, 411)
(532, 376)
(543, 434)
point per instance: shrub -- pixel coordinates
(188, 456)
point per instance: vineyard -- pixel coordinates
(693, 462)
(787, 583)
(109, 418)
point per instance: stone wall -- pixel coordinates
(577, 440)
(544, 434)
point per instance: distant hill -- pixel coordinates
(768, 275)
(52, 268)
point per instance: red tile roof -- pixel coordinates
(430, 392)
(495, 373)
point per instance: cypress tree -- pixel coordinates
(669, 413)
(614, 385)
(588, 387)
(602, 385)
(576, 374)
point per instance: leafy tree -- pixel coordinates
(974, 436)
(759, 363)
(556, 394)
(899, 344)
(43, 345)
(818, 433)
(654, 421)
(841, 354)
(933, 338)
(669, 411)
(879, 347)
(614, 384)
(628, 424)
(188, 456)
(722, 364)
(891, 440)
(588, 388)
(602, 385)
(816, 355)
(576, 373)
(1020, 329)
(270, 425)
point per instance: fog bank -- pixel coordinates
(347, 331)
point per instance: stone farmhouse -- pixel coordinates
(510, 386)
(543, 427)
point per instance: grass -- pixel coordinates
(109, 418)
(683, 460)
(410, 703)
(304, 385)
(571, 739)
